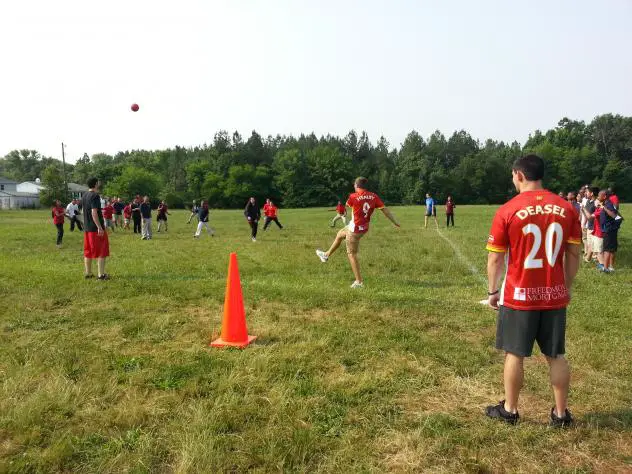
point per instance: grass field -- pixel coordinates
(117, 376)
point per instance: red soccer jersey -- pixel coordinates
(270, 210)
(597, 223)
(533, 229)
(340, 209)
(58, 215)
(127, 211)
(107, 212)
(362, 205)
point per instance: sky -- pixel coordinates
(498, 69)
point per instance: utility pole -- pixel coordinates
(63, 168)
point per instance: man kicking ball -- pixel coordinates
(362, 204)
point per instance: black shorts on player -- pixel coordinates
(517, 330)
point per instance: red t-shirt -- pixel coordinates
(58, 215)
(270, 210)
(362, 205)
(449, 207)
(614, 199)
(340, 209)
(127, 211)
(597, 223)
(108, 211)
(533, 229)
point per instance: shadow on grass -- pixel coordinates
(617, 420)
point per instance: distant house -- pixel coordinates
(33, 187)
(11, 198)
(75, 191)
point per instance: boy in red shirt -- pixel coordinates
(163, 212)
(58, 219)
(536, 236)
(362, 204)
(108, 212)
(127, 215)
(341, 213)
(270, 211)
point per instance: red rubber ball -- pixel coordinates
(135, 107)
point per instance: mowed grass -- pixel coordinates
(118, 377)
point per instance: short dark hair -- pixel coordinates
(92, 182)
(594, 190)
(532, 166)
(361, 182)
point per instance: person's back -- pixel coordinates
(91, 200)
(362, 204)
(537, 227)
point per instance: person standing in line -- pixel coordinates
(341, 214)
(58, 213)
(610, 221)
(118, 206)
(108, 213)
(449, 211)
(163, 211)
(145, 212)
(362, 204)
(95, 239)
(194, 212)
(596, 238)
(72, 211)
(583, 200)
(270, 211)
(127, 215)
(535, 242)
(253, 214)
(431, 210)
(136, 216)
(589, 211)
(203, 218)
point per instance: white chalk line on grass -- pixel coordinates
(465, 261)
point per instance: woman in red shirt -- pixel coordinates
(449, 211)
(58, 219)
(127, 215)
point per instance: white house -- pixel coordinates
(33, 187)
(11, 198)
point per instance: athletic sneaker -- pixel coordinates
(105, 276)
(561, 422)
(322, 255)
(357, 284)
(254, 240)
(601, 268)
(498, 412)
(610, 270)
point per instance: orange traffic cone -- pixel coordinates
(234, 331)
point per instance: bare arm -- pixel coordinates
(495, 269)
(390, 216)
(571, 264)
(95, 218)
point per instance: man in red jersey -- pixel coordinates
(362, 204)
(537, 237)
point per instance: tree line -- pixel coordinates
(308, 171)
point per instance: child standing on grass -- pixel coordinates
(58, 212)
(145, 212)
(253, 214)
(203, 215)
(341, 214)
(163, 211)
(127, 215)
(108, 213)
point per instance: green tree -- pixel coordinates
(135, 181)
(55, 187)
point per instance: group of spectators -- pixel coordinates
(116, 214)
(600, 218)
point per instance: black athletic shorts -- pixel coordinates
(517, 330)
(610, 241)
